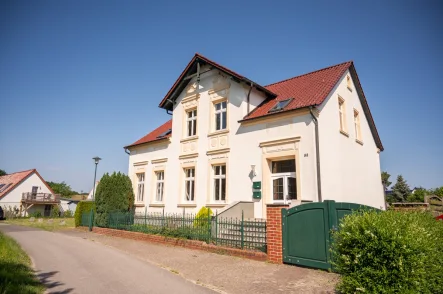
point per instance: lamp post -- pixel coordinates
(96, 160)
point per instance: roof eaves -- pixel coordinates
(151, 141)
(246, 119)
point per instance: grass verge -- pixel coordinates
(47, 225)
(16, 274)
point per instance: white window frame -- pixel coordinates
(192, 121)
(189, 179)
(357, 126)
(140, 186)
(219, 178)
(342, 114)
(285, 176)
(159, 185)
(220, 112)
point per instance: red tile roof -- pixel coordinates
(14, 179)
(154, 135)
(307, 90)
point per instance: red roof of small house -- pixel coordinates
(155, 135)
(306, 90)
(11, 181)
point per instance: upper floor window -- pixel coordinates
(140, 186)
(191, 123)
(160, 181)
(349, 82)
(189, 184)
(357, 125)
(342, 114)
(220, 115)
(219, 182)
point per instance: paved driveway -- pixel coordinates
(68, 264)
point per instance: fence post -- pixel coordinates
(216, 227)
(163, 218)
(209, 225)
(146, 211)
(91, 215)
(183, 220)
(242, 230)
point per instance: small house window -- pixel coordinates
(280, 105)
(189, 184)
(357, 125)
(349, 82)
(140, 186)
(160, 178)
(192, 123)
(342, 114)
(219, 183)
(220, 115)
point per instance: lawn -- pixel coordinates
(45, 224)
(16, 274)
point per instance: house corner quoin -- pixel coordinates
(274, 232)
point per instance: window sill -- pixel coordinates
(139, 205)
(157, 205)
(188, 139)
(349, 88)
(359, 142)
(344, 133)
(193, 205)
(216, 204)
(215, 133)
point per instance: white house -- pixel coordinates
(26, 193)
(232, 142)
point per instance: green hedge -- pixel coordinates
(389, 252)
(82, 206)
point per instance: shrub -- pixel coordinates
(55, 211)
(67, 213)
(201, 219)
(82, 206)
(36, 214)
(114, 194)
(389, 252)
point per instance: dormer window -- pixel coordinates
(164, 134)
(280, 105)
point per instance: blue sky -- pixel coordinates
(84, 78)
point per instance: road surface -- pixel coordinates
(68, 264)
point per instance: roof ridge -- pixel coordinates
(23, 171)
(312, 72)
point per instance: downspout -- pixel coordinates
(252, 84)
(127, 152)
(317, 155)
(167, 111)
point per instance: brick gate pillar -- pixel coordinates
(274, 232)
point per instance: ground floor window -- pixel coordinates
(160, 181)
(284, 182)
(219, 182)
(140, 186)
(189, 184)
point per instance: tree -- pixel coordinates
(418, 195)
(114, 194)
(62, 188)
(401, 190)
(437, 191)
(2, 172)
(385, 180)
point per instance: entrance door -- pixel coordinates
(48, 210)
(284, 182)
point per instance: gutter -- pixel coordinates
(249, 93)
(317, 155)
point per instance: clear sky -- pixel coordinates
(84, 78)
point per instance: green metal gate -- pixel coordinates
(306, 231)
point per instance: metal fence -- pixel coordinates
(231, 232)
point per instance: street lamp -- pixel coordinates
(96, 160)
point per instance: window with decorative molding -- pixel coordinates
(220, 115)
(219, 183)
(191, 121)
(140, 186)
(160, 181)
(342, 114)
(189, 184)
(357, 126)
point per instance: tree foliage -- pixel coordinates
(385, 180)
(401, 191)
(62, 188)
(114, 194)
(437, 191)
(2, 172)
(418, 195)
(82, 206)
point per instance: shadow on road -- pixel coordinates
(45, 278)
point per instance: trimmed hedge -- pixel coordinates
(389, 252)
(82, 206)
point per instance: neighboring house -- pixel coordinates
(90, 195)
(26, 193)
(305, 139)
(68, 204)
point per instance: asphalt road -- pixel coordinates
(73, 265)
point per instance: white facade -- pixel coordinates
(13, 198)
(349, 171)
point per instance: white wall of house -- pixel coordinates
(350, 171)
(237, 147)
(14, 197)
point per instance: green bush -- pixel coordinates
(114, 194)
(67, 213)
(389, 252)
(201, 219)
(36, 214)
(82, 206)
(55, 211)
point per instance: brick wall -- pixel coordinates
(192, 244)
(274, 232)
